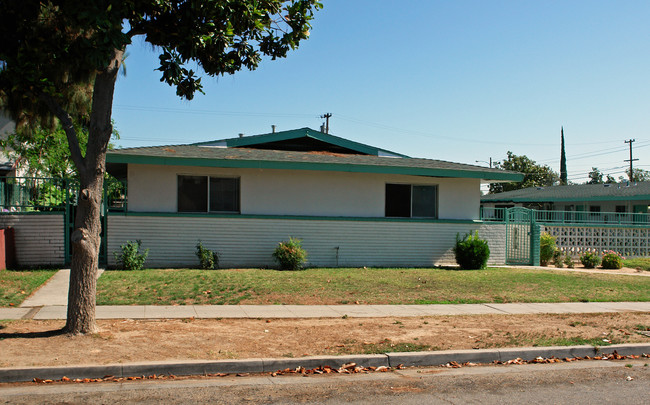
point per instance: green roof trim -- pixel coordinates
(300, 133)
(295, 217)
(200, 156)
(639, 191)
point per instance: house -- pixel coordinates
(352, 204)
(623, 197)
(608, 203)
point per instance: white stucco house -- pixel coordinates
(352, 204)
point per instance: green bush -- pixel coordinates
(471, 252)
(130, 257)
(590, 260)
(208, 259)
(558, 260)
(290, 254)
(547, 248)
(612, 260)
(568, 261)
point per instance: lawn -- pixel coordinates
(363, 286)
(15, 286)
(640, 263)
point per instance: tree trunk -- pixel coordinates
(85, 238)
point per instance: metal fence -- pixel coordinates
(490, 214)
(40, 194)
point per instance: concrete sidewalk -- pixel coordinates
(321, 311)
(53, 292)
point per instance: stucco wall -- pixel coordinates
(153, 188)
(249, 242)
(39, 238)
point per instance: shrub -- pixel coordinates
(290, 254)
(471, 252)
(547, 248)
(590, 260)
(130, 258)
(558, 259)
(612, 260)
(208, 259)
(568, 261)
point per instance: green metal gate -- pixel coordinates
(522, 237)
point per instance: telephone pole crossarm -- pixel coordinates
(327, 122)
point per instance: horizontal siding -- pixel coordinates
(495, 234)
(39, 238)
(249, 242)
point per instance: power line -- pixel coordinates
(598, 152)
(168, 110)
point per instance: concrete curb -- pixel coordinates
(269, 365)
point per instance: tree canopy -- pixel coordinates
(596, 177)
(637, 175)
(44, 152)
(59, 61)
(535, 175)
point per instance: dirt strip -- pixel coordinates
(37, 343)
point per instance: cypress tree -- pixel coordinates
(563, 172)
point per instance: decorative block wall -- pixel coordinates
(575, 240)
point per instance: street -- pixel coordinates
(583, 382)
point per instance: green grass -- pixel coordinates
(536, 340)
(15, 286)
(366, 286)
(641, 263)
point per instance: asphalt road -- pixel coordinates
(585, 382)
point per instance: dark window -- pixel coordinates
(224, 194)
(424, 201)
(193, 195)
(398, 200)
(620, 208)
(594, 208)
(406, 201)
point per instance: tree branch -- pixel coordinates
(68, 127)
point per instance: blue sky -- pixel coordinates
(450, 80)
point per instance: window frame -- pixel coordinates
(411, 187)
(208, 190)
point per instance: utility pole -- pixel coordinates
(631, 160)
(327, 122)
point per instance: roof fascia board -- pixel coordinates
(337, 167)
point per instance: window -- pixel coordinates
(411, 201)
(620, 208)
(192, 194)
(203, 194)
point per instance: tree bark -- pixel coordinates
(85, 238)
